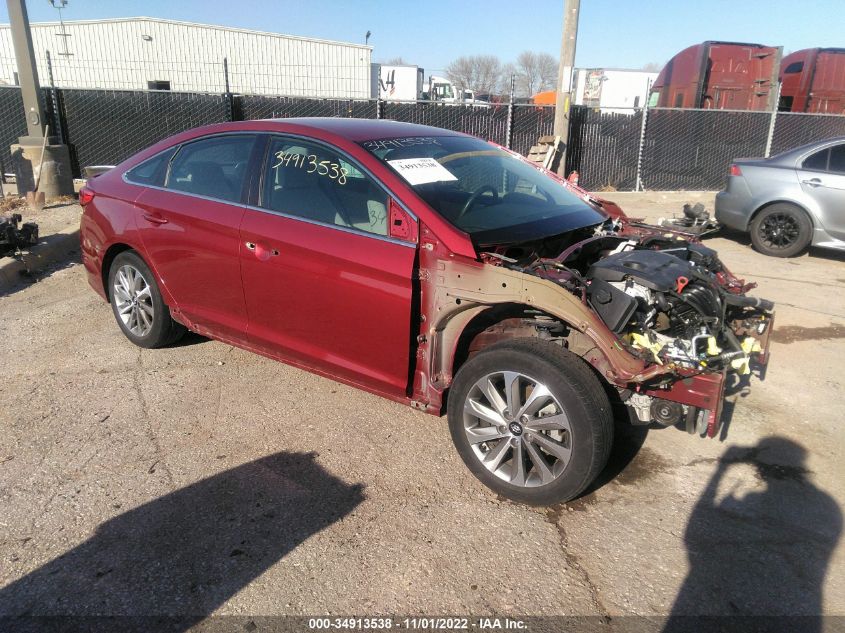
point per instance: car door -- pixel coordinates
(822, 176)
(325, 286)
(190, 231)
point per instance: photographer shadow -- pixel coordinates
(168, 563)
(764, 553)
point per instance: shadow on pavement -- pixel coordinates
(764, 553)
(186, 553)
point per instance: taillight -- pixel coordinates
(735, 170)
(86, 195)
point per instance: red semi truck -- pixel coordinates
(719, 75)
(813, 80)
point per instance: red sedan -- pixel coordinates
(419, 263)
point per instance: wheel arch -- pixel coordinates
(798, 205)
(108, 257)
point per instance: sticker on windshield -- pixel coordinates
(421, 171)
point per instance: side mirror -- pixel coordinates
(400, 224)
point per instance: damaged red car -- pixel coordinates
(432, 268)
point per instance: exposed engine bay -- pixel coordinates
(669, 301)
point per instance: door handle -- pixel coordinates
(252, 246)
(813, 182)
(154, 218)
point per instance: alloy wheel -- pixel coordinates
(517, 429)
(779, 231)
(133, 300)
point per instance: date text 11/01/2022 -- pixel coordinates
(418, 623)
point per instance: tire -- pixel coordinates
(136, 302)
(577, 427)
(781, 230)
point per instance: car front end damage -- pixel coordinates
(653, 311)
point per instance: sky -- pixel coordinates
(431, 33)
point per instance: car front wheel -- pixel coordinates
(531, 421)
(137, 304)
(781, 230)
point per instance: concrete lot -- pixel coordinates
(204, 479)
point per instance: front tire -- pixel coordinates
(137, 304)
(531, 421)
(781, 230)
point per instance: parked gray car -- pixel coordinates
(789, 201)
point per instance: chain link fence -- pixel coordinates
(692, 149)
(603, 148)
(249, 107)
(793, 129)
(656, 149)
(104, 127)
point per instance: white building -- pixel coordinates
(149, 53)
(613, 88)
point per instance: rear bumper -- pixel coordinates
(733, 209)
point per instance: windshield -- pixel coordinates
(443, 91)
(485, 191)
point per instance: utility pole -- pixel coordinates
(32, 160)
(564, 75)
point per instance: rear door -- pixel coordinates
(325, 286)
(822, 176)
(190, 230)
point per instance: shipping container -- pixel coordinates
(813, 80)
(150, 53)
(719, 75)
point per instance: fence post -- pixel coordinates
(54, 100)
(638, 183)
(379, 108)
(227, 95)
(771, 134)
(509, 128)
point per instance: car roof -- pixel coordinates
(357, 130)
(793, 154)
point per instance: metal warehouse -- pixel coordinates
(149, 53)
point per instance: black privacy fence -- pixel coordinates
(611, 149)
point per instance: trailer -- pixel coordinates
(813, 80)
(721, 76)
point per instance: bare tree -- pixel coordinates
(481, 73)
(652, 67)
(535, 72)
(395, 61)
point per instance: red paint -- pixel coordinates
(813, 80)
(719, 76)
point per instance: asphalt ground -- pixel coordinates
(202, 479)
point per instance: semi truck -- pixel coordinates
(813, 80)
(719, 75)
(407, 83)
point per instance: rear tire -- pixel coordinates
(781, 230)
(558, 440)
(137, 304)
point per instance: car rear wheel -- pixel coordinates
(137, 304)
(781, 230)
(531, 421)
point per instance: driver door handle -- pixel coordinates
(813, 182)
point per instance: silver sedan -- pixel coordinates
(789, 201)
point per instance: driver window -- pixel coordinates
(312, 182)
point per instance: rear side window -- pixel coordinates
(313, 182)
(817, 161)
(152, 170)
(214, 167)
(837, 159)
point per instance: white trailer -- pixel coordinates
(400, 82)
(613, 89)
